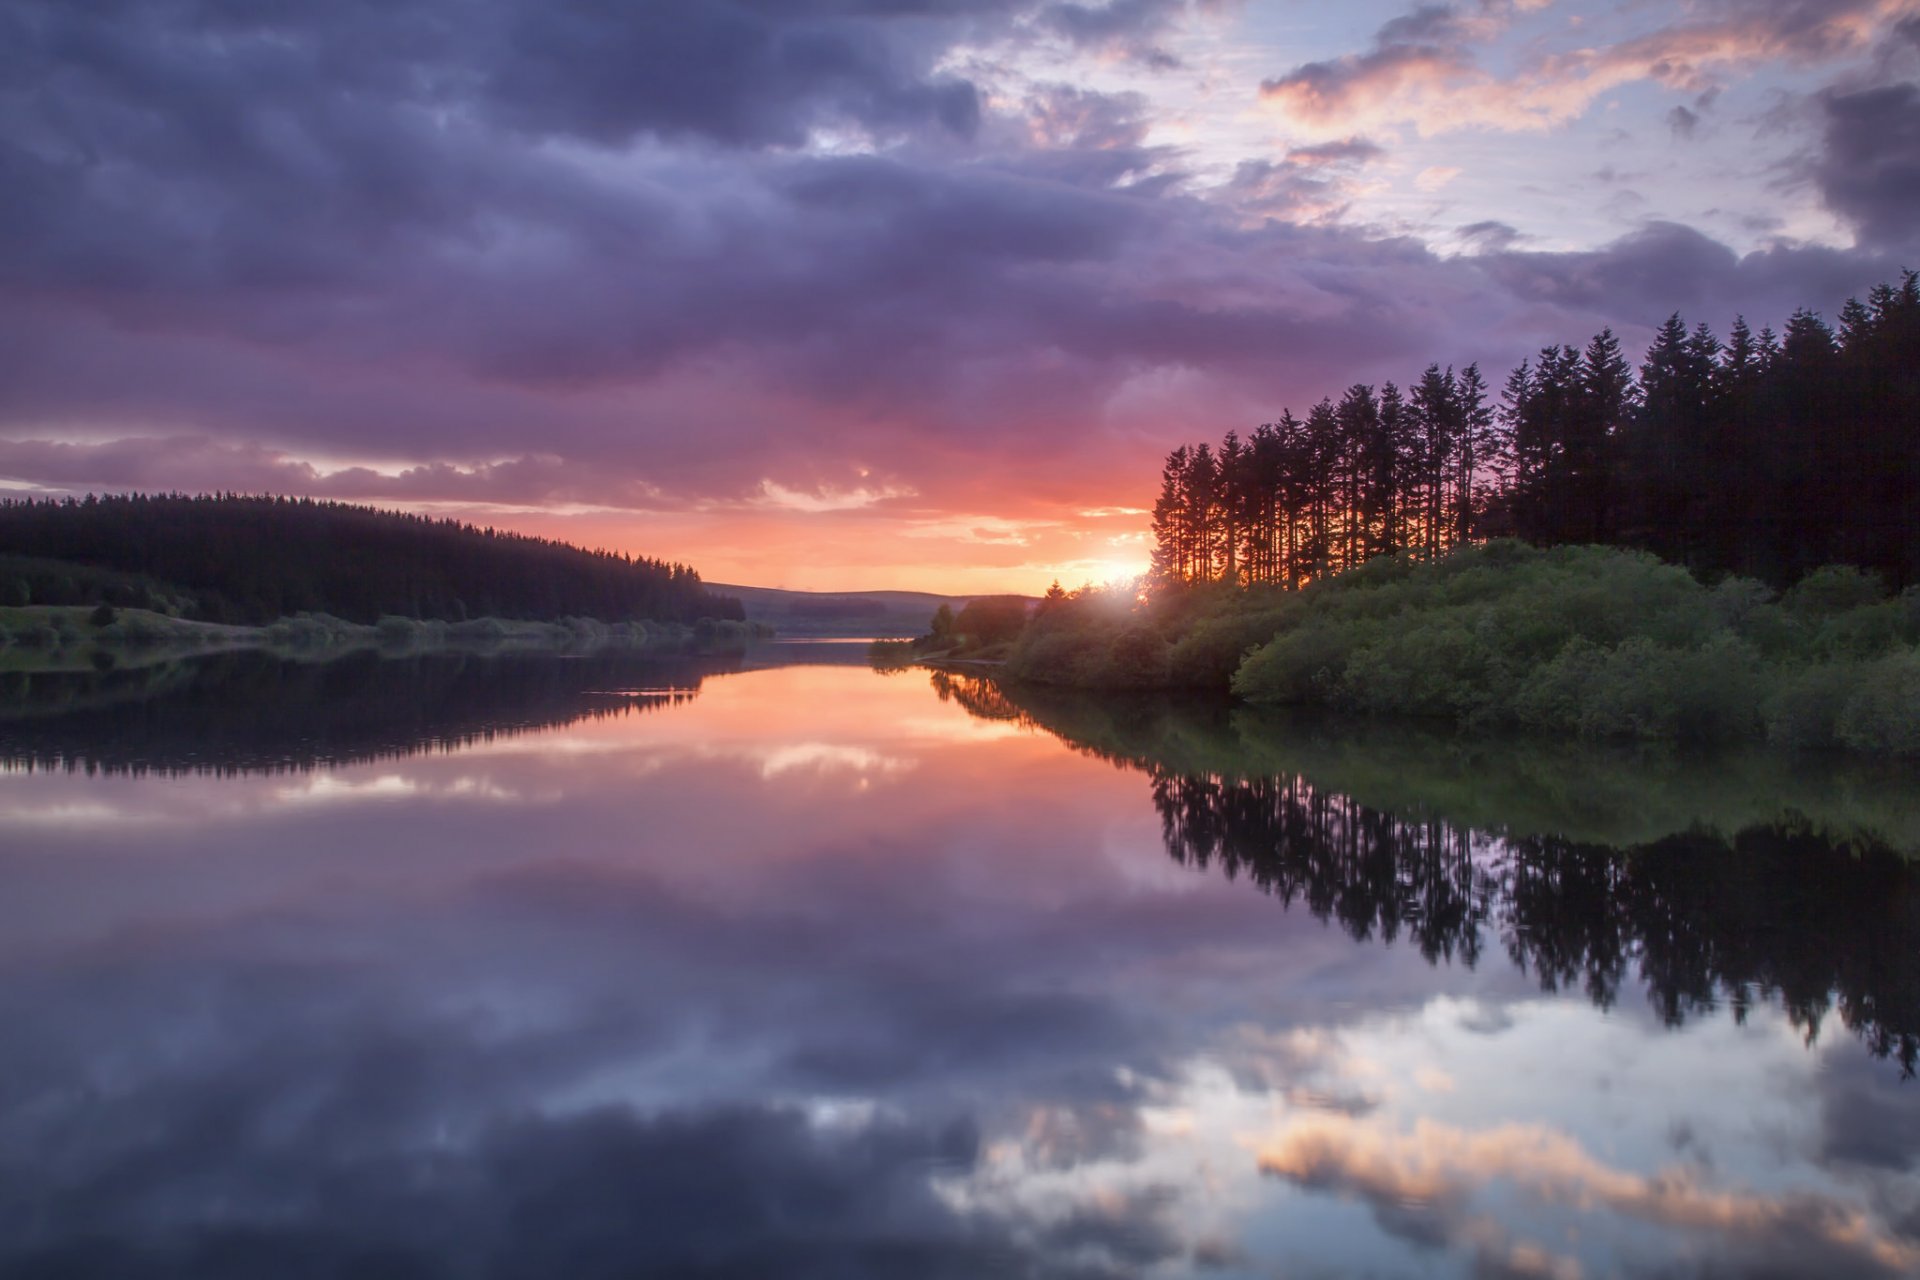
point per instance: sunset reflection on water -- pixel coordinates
(816, 971)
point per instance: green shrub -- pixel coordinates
(394, 629)
(1883, 712)
(478, 629)
(992, 619)
(136, 628)
(1137, 659)
(1439, 669)
(1301, 666)
(1802, 708)
(1832, 589)
(1213, 648)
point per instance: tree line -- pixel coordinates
(1700, 919)
(1766, 455)
(248, 559)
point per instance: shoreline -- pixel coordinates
(65, 638)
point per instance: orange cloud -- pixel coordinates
(1422, 1185)
(1422, 70)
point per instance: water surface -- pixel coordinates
(773, 965)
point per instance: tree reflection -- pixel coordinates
(1372, 872)
(1822, 917)
(251, 712)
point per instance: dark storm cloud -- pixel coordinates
(1869, 168)
(1667, 266)
(573, 251)
(749, 74)
(728, 1192)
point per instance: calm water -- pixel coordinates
(778, 966)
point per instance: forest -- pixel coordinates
(241, 559)
(1765, 455)
(1710, 549)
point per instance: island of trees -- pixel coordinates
(1706, 549)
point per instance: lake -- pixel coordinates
(773, 964)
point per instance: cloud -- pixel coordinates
(1424, 1186)
(1123, 27)
(1428, 47)
(1490, 235)
(1868, 170)
(512, 253)
(1424, 68)
(1354, 150)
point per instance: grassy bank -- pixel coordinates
(61, 637)
(1588, 642)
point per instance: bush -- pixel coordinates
(102, 616)
(1883, 713)
(1213, 649)
(1061, 655)
(1439, 670)
(1803, 708)
(992, 619)
(395, 629)
(1835, 588)
(1588, 641)
(1302, 666)
(1641, 689)
(1137, 659)
(478, 629)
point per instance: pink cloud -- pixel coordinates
(1424, 70)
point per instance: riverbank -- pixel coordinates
(1586, 642)
(74, 637)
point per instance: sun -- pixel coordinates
(1108, 571)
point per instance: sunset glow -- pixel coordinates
(838, 296)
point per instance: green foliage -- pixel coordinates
(1833, 589)
(990, 619)
(1587, 642)
(1208, 653)
(1137, 659)
(394, 629)
(1600, 643)
(1882, 714)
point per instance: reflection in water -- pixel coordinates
(814, 975)
(1700, 919)
(1777, 909)
(253, 712)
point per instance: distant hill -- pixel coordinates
(255, 559)
(887, 614)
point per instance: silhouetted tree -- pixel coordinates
(1762, 457)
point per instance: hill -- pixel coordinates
(864, 614)
(255, 559)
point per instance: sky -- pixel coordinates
(852, 294)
